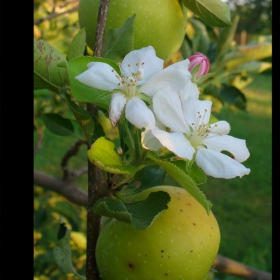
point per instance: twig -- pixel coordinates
(77, 173)
(78, 196)
(38, 146)
(62, 187)
(102, 18)
(62, 4)
(97, 187)
(229, 266)
(55, 15)
(73, 150)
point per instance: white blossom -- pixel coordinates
(185, 130)
(142, 75)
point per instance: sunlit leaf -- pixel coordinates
(79, 239)
(212, 12)
(140, 214)
(240, 81)
(250, 67)
(103, 154)
(248, 53)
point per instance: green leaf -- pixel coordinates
(234, 96)
(58, 125)
(39, 83)
(227, 94)
(68, 211)
(195, 172)
(120, 41)
(89, 124)
(77, 46)
(83, 92)
(186, 48)
(212, 12)
(183, 179)
(49, 70)
(103, 154)
(140, 214)
(62, 251)
(201, 40)
(226, 37)
(214, 91)
(150, 176)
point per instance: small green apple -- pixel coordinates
(181, 243)
(159, 23)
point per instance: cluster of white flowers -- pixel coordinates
(174, 118)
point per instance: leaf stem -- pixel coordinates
(130, 139)
(137, 143)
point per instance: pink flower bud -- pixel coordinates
(202, 60)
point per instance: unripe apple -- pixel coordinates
(181, 243)
(159, 23)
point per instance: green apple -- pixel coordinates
(182, 243)
(159, 23)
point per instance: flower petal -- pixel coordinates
(100, 76)
(176, 75)
(149, 141)
(182, 66)
(137, 112)
(237, 147)
(175, 142)
(117, 104)
(190, 90)
(168, 110)
(144, 59)
(218, 165)
(196, 111)
(220, 127)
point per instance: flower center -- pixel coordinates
(199, 130)
(128, 84)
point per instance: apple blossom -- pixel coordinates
(185, 131)
(203, 62)
(142, 75)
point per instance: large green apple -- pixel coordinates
(159, 23)
(181, 243)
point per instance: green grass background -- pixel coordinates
(242, 206)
